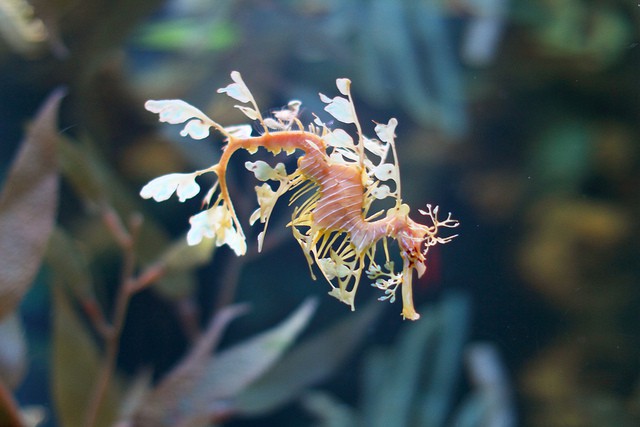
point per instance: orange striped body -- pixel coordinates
(341, 203)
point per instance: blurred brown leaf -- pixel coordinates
(28, 206)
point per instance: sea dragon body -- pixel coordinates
(335, 181)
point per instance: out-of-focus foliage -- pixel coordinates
(413, 382)
(75, 367)
(28, 206)
(188, 34)
(541, 99)
(202, 388)
(561, 32)
(24, 32)
(306, 365)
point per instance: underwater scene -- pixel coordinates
(328, 213)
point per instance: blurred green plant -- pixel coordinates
(596, 34)
(414, 381)
(187, 34)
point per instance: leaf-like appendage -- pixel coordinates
(28, 206)
(237, 90)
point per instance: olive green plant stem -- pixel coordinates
(126, 240)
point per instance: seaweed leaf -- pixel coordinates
(411, 383)
(436, 398)
(420, 372)
(390, 402)
(75, 366)
(162, 406)
(28, 206)
(70, 266)
(201, 387)
(329, 411)
(307, 364)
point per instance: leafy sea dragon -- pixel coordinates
(336, 181)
